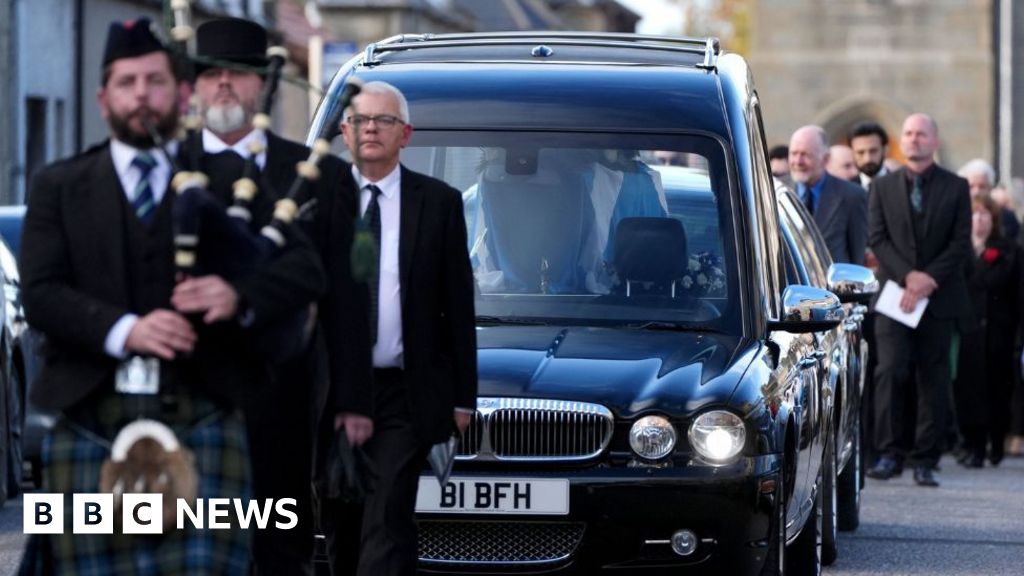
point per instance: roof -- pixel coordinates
(526, 96)
(552, 81)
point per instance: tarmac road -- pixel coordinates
(972, 525)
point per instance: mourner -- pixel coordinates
(283, 419)
(987, 368)
(422, 386)
(127, 343)
(920, 231)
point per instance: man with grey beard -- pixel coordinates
(282, 421)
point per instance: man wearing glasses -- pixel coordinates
(419, 307)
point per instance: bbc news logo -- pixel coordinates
(144, 513)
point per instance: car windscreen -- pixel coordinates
(592, 229)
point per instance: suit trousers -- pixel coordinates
(918, 358)
(397, 453)
(282, 424)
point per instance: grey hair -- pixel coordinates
(379, 87)
(978, 166)
(818, 131)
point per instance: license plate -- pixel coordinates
(493, 496)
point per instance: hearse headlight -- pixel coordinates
(718, 436)
(652, 437)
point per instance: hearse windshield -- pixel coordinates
(592, 229)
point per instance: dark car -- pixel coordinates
(651, 384)
(843, 363)
(21, 344)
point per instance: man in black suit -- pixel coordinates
(839, 207)
(282, 421)
(98, 277)
(920, 232)
(422, 326)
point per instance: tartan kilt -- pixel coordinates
(74, 451)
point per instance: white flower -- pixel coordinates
(694, 265)
(702, 280)
(687, 282)
(717, 284)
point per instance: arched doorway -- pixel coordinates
(839, 118)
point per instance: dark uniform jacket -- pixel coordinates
(79, 247)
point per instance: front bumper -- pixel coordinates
(620, 519)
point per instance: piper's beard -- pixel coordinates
(226, 119)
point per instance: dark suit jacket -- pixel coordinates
(438, 319)
(842, 217)
(75, 287)
(947, 244)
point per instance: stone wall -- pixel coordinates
(835, 62)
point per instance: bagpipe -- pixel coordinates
(212, 238)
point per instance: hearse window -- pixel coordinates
(591, 228)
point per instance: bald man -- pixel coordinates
(841, 164)
(921, 234)
(840, 208)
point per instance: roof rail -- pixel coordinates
(709, 47)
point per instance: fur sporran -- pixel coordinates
(146, 457)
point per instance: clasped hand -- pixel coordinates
(918, 285)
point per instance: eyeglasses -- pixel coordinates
(382, 121)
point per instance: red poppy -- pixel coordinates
(990, 255)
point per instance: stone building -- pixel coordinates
(835, 63)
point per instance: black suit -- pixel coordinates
(412, 408)
(936, 242)
(841, 214)
(282, 421)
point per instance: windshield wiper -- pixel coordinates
(508, 321)
(674, 327)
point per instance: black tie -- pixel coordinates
(809, 199)
(372, 220)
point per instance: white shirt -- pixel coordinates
(388, 350)
(212, 144)
(122, 155)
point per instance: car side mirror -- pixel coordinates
(852, 283)
(808, 309)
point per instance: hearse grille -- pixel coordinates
(530, 430)
(457, 542)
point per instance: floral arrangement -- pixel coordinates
(704, 276)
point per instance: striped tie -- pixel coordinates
(143, 201)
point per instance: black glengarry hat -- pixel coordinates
(131, 39)
(231, 40)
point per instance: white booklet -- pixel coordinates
(889, 304)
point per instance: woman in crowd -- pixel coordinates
(988, 367)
